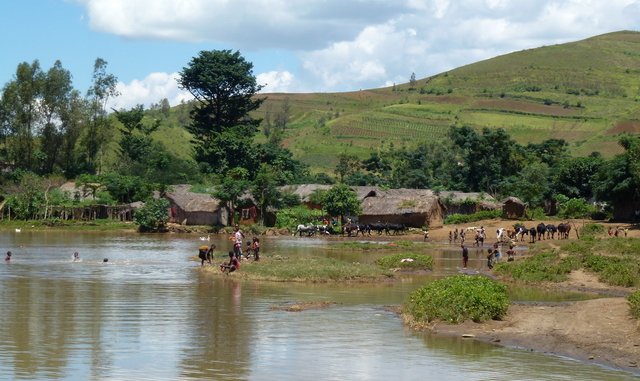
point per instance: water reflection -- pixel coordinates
(151, 313)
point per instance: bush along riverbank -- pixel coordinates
(456, 299)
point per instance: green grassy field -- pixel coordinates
(586, 92)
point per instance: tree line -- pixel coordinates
(49, 130)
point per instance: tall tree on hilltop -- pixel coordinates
(224, 86)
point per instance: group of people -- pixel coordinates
(205, 253)
(480, 236)
(493, 255)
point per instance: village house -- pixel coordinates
(189, 208)
(411, 207)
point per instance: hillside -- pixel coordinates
(585, 92)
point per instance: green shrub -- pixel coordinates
(634, 304)
(592, 230)
(459, 298)
(418, 261)
(615, 271)
(292, 217)
(466, 218)
(153, 216)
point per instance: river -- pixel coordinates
(150, 313)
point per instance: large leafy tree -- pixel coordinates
(234, 184)
(341, 200)
(225, 88)
(618, 180)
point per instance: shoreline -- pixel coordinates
(543, 328)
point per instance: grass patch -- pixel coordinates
(614, 261)
(543, 266)
(615, 271)
(406, 261)
(312, 269)
(458, 298)
(634, 304)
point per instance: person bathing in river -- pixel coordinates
(233, 264)
(76, 256)
(205, 253)
(465, 256)
(8, 257)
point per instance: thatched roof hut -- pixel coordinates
(411, 207)
(513, 207)
(467, 202)
(189, 208)
(305, 191)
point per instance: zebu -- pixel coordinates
(563, 230)
(541, 229)
(309, 230)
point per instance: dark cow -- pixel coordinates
(551, 231)
(350, 228)
(563, 230)
(395, 228)
(378, 227)
(532, 235)
(541, 229)
(364, 228)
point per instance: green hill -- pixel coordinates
(585, 92)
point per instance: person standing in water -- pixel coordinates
(465, 256)
(237, 242)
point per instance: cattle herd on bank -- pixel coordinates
(351, 229)
(518, 233)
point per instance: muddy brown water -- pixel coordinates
(150, 313)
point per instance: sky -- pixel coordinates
(295, 45)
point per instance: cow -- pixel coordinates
(364, 228)
(532, 235)
(325, 229)
(563, 230)
(551, 231)
(395, 228)
(541, 229)
(520, 232)
(309, 230)
(350, 228)
(378, 227)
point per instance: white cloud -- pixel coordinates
(352, 44)
(276, 82)
(152, 89)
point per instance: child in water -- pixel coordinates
(8, 257)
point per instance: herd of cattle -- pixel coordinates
(517, 233)
(350, 229)
(539, 232)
